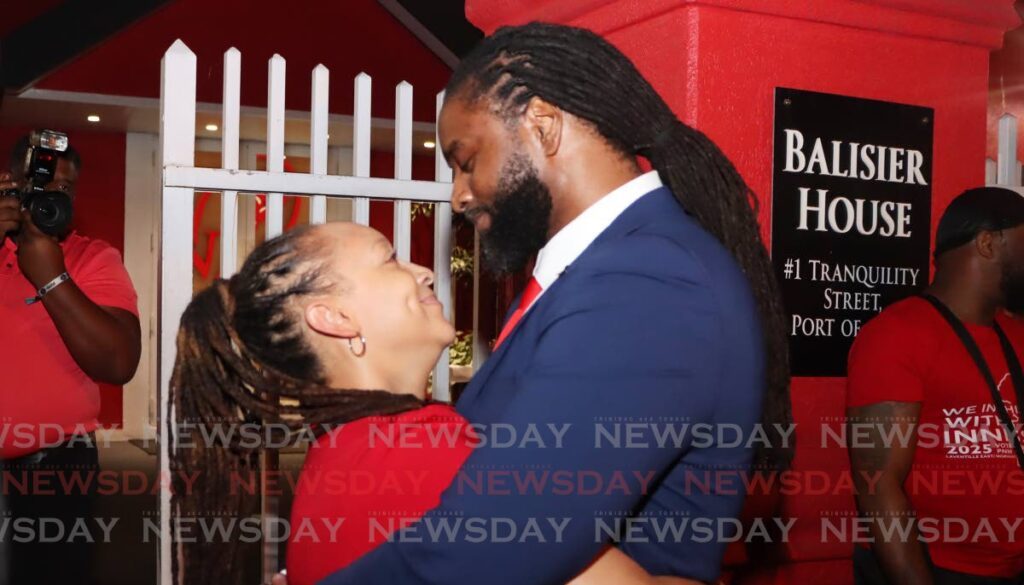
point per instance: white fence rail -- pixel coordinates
(181, 178)
(1006, 170)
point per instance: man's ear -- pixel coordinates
(989, 244)
(544, 123)
(328, 319)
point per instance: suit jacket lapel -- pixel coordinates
(634, 216)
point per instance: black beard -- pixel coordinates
(1013, 287)
(520, 217)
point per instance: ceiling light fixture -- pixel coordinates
(93, 118)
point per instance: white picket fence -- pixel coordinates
(1006, 170)
(181, 178)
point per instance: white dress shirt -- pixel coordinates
(565, 246)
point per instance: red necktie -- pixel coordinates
(533, 289)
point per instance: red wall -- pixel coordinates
(348, 37)
(742, 57)
(99, 209)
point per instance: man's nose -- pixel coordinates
(461, 196)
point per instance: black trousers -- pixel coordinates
(44, 540)
(866, 571)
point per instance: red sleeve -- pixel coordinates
(103, 278)
(885, 362)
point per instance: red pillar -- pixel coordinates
(717, 62)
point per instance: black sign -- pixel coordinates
(851, 214)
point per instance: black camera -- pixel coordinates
(50, 210)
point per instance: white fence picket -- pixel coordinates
(403, 168)
(275, 142)
(442, 261)
(361, 144)
(274, 218)
(229, 126)
(177, 146)
(318, 139)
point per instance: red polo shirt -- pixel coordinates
(44, 396)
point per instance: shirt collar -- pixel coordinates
(564, 247)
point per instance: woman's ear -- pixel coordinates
(328, 319)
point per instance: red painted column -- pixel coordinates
(717, 62)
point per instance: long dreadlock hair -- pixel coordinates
(242, 360)
(581, 73)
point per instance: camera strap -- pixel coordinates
(1012, 363)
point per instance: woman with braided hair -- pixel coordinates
(321, 328)
(322, 325)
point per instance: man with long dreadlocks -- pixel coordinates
(652, 307)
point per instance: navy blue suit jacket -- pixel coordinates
(638, 354)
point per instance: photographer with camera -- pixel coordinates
(68, 320)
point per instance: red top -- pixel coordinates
(965, 478)
(45, 397)
(367, 478)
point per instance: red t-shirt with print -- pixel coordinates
(965, 485)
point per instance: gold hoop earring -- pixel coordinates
(352, 348)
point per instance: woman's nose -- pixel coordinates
(424, 276)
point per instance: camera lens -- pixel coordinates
(46, 212)
(51, 211)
